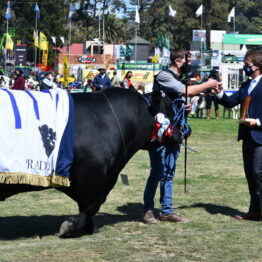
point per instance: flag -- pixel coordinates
(71, 11)
(62, 39)
(155, 58)
(137, 19)
(37, 11)
(172, 12)
(36, 39)
(66, 70)
(8, 13)
(9, 44)
(231, 14)
(54, 39)
(199, 11)
(43, 44)
(44, 59)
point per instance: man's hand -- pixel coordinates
(212, 83)
(188, 108)
(251, 123)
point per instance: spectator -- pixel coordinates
(88, 86)
(211, 98)
(102, 80)
(19, 83)
(47, 82)
(115, 81)
(127, 82)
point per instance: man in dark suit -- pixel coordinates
(250, 131)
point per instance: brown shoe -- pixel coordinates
(173, 218)
(149, 217)
(249, 216)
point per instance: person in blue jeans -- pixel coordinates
(163, 165)
(163, 159)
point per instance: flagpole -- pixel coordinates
(69, 48)
(136, 46)
(234, 25)
(99, 27)
(201, 43)
(36, 32)
(56, 68)
(5, 43)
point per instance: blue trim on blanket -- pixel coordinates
(48, 92)
(18, 124)
(36, 109)
(57, 100)
(66, 149)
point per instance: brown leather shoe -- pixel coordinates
(173, 218)
(249, 216)
(149, 217)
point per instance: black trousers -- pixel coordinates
(252, 156)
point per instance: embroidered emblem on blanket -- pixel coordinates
(36, 136)
(48, 138)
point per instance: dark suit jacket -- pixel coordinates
(255, 109)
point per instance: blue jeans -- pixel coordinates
(163, 165)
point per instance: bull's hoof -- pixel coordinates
(67, 228)
(73, 228)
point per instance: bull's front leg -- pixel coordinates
(83, 223)
(77, 226)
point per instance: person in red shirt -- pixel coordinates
(127, 82)
(19, 83)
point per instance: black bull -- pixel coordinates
(110, 127)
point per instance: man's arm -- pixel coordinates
(197, 89)
(95, 82)
(172, 85)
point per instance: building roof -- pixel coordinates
(75, 49)
(138, 40)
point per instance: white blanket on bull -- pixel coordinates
(33, 128)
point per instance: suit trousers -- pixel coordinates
(252, 156)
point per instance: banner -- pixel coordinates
(43, 44)
(140, 76)
(36, 39)
(44, 59)
(9, 42)
(66, 70)
(132, 66)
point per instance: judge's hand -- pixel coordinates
(250, 124)
(218, 88)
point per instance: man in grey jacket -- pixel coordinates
(163, 159)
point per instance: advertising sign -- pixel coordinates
(86, 59)
(138, 66)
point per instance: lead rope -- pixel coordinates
(180, 119)
(120, 129)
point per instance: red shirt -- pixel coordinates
(19, 83)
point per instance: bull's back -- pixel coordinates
(110, 127)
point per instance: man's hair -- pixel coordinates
(177, 53)
(256, 57)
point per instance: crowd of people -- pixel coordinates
(49, 79)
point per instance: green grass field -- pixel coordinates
(216, 190)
